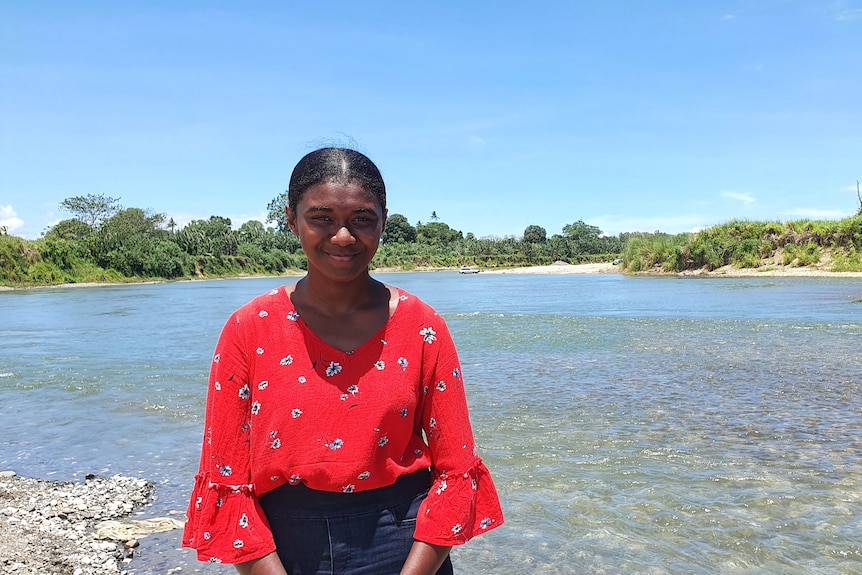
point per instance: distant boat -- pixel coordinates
(468, 270)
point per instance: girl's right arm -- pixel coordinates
(267, 565)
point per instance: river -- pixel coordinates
(632, 424)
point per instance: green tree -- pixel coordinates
(398, 230)
(585, 239)
(535, 235)
(276, 212)
(212, 237)
(127, 240)
(92, 209)
(252, 232)
(437, 233)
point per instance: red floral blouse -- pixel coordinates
(283, 406)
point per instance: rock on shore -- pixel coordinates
(49, 528)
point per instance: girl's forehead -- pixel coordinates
(338, 192)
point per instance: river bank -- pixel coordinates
(62, 528)
(552, 269)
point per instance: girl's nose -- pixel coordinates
(343, 236)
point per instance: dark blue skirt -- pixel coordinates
(364, 533)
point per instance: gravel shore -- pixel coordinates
(53, 528)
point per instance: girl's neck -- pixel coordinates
(340, 298)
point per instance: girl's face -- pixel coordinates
(339, 225)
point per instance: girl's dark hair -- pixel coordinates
(339, 164)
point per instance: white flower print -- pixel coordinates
(218, 386)
(286, 360)
(456, 373)
(244, 392)
(274, 478)
(364, 475)
(486, 522)
(262, 313)
(432, 422)
(293, 316)
(260, 351)
(295, 412)
(336, 444)
(442, 487)
(428, 334)
(382, 441)
(273, 292)
(198, 502)
(425, 390)
(263, 385)
(404, 412)
(344, 397)
(301, 379)
(219, 502)
(225, 470)
(402, 297)
(275, 444)
(255, 408)
(441, 386)
(294, 479)
(216, 357)
(334, 368)
(353, 390)
(457, 529)
(243, 521)
(473, 483)
(207, 535)
(238, 544)
(380, 365)
(402, 361)
(418, 452)
(214, 560)
(348, 488)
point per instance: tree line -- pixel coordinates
(104, 241)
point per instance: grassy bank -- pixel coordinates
(831, 245)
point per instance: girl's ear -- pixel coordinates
(291, 220)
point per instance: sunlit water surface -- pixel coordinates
(632, 425)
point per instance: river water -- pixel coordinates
(632, 424)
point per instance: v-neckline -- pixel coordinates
(355, 351)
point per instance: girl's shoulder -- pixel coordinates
(414, 308)
(276, 300)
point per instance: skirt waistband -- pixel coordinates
(327, 503)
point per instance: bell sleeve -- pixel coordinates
(463, 501)
(225, 521)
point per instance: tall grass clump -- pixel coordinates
(664, 252)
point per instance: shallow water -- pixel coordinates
(641, 425)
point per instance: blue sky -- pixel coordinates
(630, 115)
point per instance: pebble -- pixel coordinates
(48, 528)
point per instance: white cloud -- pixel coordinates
(10, 220)
(818, 214)
(475, 142)
(746, 199)
(848, 15)
(728, 17)
(613, 225)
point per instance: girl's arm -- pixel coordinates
(424, 559)
(266, 565)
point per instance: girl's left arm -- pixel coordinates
(424, 559)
